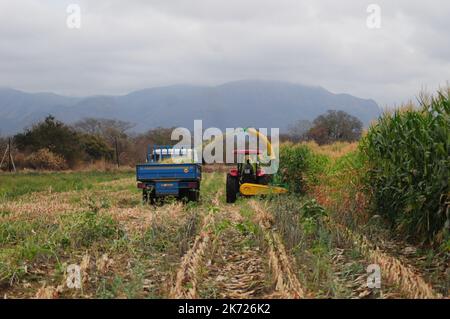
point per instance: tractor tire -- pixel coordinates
(232, 188)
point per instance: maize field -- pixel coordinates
(408, 158)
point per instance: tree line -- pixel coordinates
(54, 145)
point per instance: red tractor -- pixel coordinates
(248, 178)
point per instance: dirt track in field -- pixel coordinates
(229, 261)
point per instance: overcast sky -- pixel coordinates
(127, 45)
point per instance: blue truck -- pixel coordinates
(169, 171)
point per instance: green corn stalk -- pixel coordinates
(408, 153)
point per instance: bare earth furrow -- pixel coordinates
(236, 271)
(282, 266)
(187, 275)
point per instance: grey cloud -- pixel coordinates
(128, 45)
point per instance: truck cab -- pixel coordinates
(169, 171)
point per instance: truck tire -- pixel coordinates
(148, 197)
(144, 196)
(152, 198)
(193, 195)
(183, 195)
(232, 188)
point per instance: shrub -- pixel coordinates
(293, 166)
(53, 135)
(96, 147)
(45, 159)
(300, 167)
(342, 188)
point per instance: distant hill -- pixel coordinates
(234, 104)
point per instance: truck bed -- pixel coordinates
(160, 171)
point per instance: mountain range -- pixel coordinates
(246, 103)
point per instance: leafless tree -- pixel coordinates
(109, 129)
(298, 130)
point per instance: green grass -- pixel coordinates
(40, 248)
(15, 185)
(300, 221)
(25, 243)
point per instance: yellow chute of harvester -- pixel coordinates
(266, 141)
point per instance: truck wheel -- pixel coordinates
(193, 195)
(183, 195)
(148, 197)
(232, 188)
(151, 198)
(145, 196)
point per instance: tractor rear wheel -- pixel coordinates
(232, 188)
